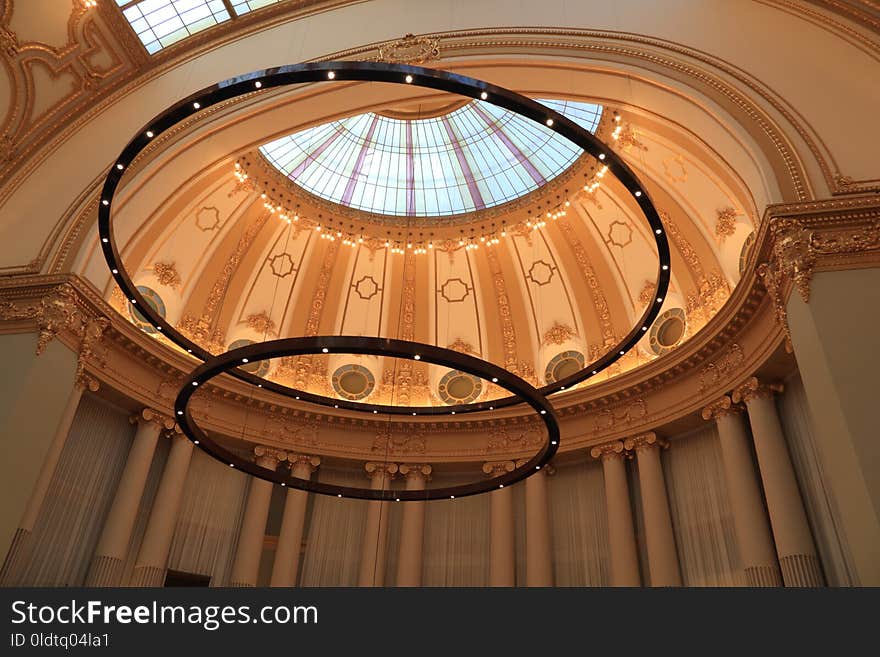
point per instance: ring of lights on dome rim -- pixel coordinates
(230, 361)
(396, 74)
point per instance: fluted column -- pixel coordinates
(621, 535)
(539, 554)
(662, 555)
(752, 529)
(19, 551)
(246, 567)
(502, 556)
(794, 542)
(152, 559)
(372, 571)
(412, 529)
(286, 564)
(106, 568)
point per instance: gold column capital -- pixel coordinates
(416, 470)
(312, 462)
(498, 468)
(719, 408)
(376, 469)
(85, 382)
(644, 441)
(753, 388)
(613, 449)
(268, 457)
(152, 415)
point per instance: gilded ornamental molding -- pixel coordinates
(804, 238)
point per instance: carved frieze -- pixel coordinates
(411, 49)
(621, 416)
(728, 361)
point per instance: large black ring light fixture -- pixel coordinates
(396, 74)
(521, 390)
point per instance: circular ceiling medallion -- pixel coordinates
(668, 331)
(155, 303)
(353, 382)
(459, 388)
(337, 344)
(563, 365)
(284, 76)
(260, 368)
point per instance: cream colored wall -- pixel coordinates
(835, 338)
(33, 394)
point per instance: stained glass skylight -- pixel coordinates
(472, 158)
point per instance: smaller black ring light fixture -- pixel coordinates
(344, 344)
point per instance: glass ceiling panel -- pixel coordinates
(473, 158)
(159, 23)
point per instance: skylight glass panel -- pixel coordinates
(245, 6)
(160, 23)
(473, 158)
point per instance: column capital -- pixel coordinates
(375, 469)
(498, 468)
(416, 470)
(719, 408)
(753, 388)
(547, 468)
(268, 457)
(613, 449)
(152, 415)
(311, 462)
(85, 382)
(644, 441)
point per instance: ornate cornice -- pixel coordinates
(803, 238)
(753, 388)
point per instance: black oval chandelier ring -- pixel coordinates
(520, 389)
(395, 74)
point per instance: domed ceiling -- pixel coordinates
(455, 224)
